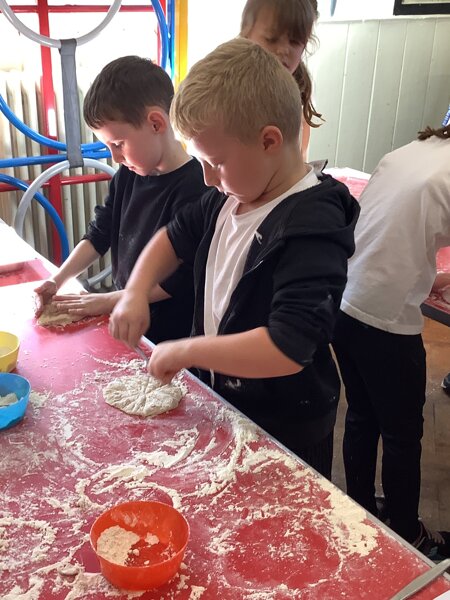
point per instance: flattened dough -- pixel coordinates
(142, 395)
(50, 317)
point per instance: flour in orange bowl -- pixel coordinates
(115, 544)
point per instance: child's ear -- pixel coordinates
(157, 121)
(271, 138)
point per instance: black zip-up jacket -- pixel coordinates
(293, 280)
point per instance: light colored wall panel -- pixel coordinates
(327, 67)
(395, 79)
(385, 91)
(438, 93)
(414, 79)
(356, 98)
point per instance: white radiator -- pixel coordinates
(78, 201)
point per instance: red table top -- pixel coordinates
(263, 525)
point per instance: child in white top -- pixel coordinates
(405, 219)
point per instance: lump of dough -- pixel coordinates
(142, 395)
(50, 316)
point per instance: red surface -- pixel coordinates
(354, 184)
(263, 526)
(443, 260)
(31, 270)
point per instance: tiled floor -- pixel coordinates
(435, 491)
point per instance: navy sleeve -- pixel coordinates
(189, 225)
(308, 281)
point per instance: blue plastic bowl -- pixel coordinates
(10, 383)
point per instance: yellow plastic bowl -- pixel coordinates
(9, 351)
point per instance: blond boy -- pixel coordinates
(269, 247)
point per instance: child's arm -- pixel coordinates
(79, 259)
(250, 354)
(89, 305)
(130, 318)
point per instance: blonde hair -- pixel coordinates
(241, 87)
(296, 18)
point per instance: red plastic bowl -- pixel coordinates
(163, 559)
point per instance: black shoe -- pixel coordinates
(434, 544)
(446, 384)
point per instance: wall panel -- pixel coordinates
(377, 83)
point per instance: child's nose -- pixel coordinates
(116, 154)
(210, 176)
(283, 48)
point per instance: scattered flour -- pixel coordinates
(151, 539)
(349, 523)
(8, 400)
(142, 395)
(196, 592)
(38, 399)
(115, 544)
(68, 570)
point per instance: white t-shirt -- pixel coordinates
(405, 219)
(229, 247)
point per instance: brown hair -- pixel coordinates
(442, 132)
(240, 87)
(296, 18)
(124, 89)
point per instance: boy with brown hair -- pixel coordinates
(269, 246)
(127, 107)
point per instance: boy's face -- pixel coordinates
(138, 148)
(263, 32)
(238, 169)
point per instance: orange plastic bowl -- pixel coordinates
(153, 565)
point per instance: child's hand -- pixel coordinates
(44, 294)
(130, 319)
(84, 304)
(168, 358)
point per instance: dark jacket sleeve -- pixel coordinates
(99, 229)
(189, 225)
(309, 281)
(306, 297)
(182, 279)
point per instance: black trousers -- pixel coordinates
(384, 375)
